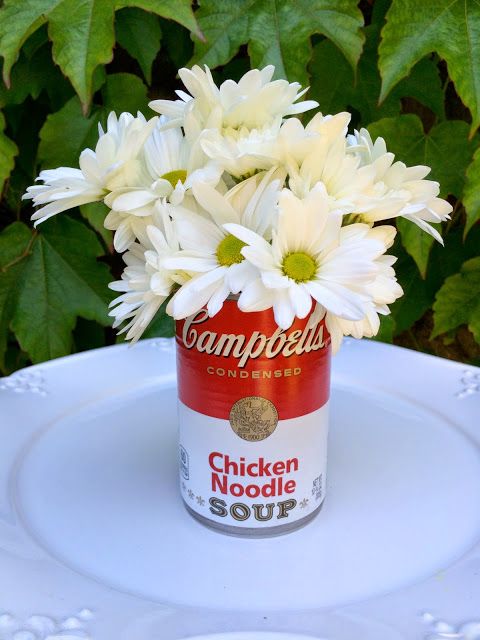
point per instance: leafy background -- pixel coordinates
(408, 70)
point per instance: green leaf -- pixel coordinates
(162, 325)
(18, 20)
(387, 329)
(35, 42)
(95, 213)
(446, 148)
(14, 244)
(139, 33)
(28, 78)
(446, 261)
(177, 43)
(88, 335)
(417, 243)
(424, 84)
(81, 32)
(34, 73)
(340, 92)
(60, 280)
(449, 27)
(225, 27)
(67, 124)
(8, 151)
(15, 358)
(125, 92)
(121, 92)
(83, 37)
(471, 193)
(277, 32)
(417, 298)
(458, 301)
(178, 10)
(333, 91)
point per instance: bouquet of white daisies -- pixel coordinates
(227, 192)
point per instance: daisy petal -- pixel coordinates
(248, 236)
(188, 301)
(348, 305)
(255, 297)
(301, 300)
(283, 309)
(213, 202)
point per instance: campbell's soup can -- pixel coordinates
(253, 418)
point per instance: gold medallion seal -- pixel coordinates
(253, 418)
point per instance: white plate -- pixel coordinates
(95, 543)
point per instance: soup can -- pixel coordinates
(253, 419)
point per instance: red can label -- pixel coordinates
(253, 416)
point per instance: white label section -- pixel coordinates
(241, 483)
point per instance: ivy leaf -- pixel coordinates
(18, 20)
(88, 335)
(340, 91)
(162, 325)
(121, 92)
(69, 123)
(471, 193)
(225, 27)
(29, 77)
(387, 329)
(424, 84)
(139, 33)
(59, 280)
(178, 10)
(277, 32)
(81, 32)
(446, 261)
(95, 213)
(417, 298)
(333, 91)
(177, 43)
(125, 92)
(8, 151)
(458, 301)
(15, 241)
(449, 27)
(35, 42)
(417, 243)
(83, 38)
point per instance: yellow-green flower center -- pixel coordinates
(174, 176)
(299, 266)
(352, 218)
(228, 251)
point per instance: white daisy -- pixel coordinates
(128, 227)
(169, 170)
(243, 152)
(397, 190)
(233, 122)
(113, 163)
(252, 102)
(63, 189)
(212, 253)
(384, 290)
(310, 257)
(320, 155)
(146, 282)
